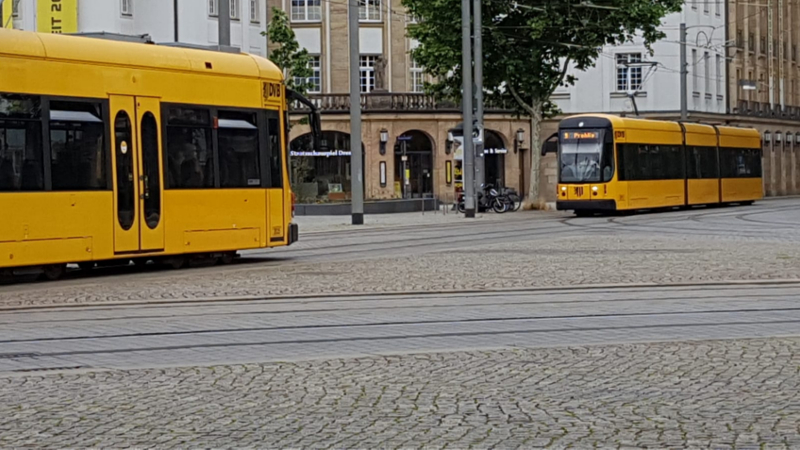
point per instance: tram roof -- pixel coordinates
(617, 122)
(134, 55)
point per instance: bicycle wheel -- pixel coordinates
(499, 206)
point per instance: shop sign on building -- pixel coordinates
(57, 16)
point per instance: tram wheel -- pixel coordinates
(227, 258)
(86, 266)
(175, 263)
(54, 272)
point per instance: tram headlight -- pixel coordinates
(594, 188)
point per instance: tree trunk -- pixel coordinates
(534, 201)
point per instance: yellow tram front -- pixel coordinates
(586, 165)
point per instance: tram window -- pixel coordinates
(608, 162)
(239, 164)
(190, 154)
(640, 162)
(21, 157)
(77, 146)
(740, 163)
(24, 107)
(702, 163)
(275, 149)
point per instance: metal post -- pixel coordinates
(684, 75)
(466, 105)
(224, 23)
(771, 55)
(480, 157)
(356, 166)
(175, 19)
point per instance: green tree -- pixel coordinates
(528, 48)
(287, 53)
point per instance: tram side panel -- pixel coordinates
(55, 227)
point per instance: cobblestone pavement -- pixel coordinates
(500, 366)
(718, 394)
(522, 250)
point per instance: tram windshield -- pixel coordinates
(580, 155)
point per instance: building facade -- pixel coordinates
(185, 21)
(741, 68)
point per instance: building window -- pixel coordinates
(763, 44)
(127, 7)
(254, 14)
(235, 10)
(719, 76)
(705, 6)
(306, 11)
(794, 52)
(417, 77)
(15, 9)
(695, 73)
(213, 8)
(707, 72)
(367, 69)
(628, 78)
(369, 10)
(751, 42)
(740, 39)
(718, 7)
(314, 82)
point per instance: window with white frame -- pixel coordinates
(695, 73)
(718, 7)
(255, 16)
(235, 10)
(213, 8)
(369, 10)
(719, 76)
(707, 72)
(629, 78)
(314, 82)
(15, 9)
(417, 77)
(127, 7)
(705, 6)
(306, 11)
(367, 71)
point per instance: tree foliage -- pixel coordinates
(529, 44)
(529, 47)
(287, 53)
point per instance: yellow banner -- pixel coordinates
(57, 16)
(7, 21)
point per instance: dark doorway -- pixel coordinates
(414, 155)
(495, 157)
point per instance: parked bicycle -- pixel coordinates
(488, 198)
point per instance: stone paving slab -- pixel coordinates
(557, 261)
(719, 394)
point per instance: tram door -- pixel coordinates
(138, 190)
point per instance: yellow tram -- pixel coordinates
(610, 163)
(119, 151)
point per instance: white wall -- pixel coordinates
(596, 89)
(156, 18)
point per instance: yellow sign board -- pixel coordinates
(57, 16)
(6, 18)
